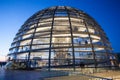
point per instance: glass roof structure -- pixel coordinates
(61, 36)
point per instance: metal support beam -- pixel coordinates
(29, 53)
(71, 31)
(49, 59)
(91, 43)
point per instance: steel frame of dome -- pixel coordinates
(62, 36)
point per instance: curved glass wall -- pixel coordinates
(61, 37)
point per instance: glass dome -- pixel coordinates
(61, 36)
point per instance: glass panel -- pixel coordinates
(41, 54)
(46, 20)
(76, 20)
(23, 48)
(83, 57)
(61, 40)
(95, 36)
(99, 48)
(61, 13)
(41, 41)
(61, 18)
(39, 59)
(81, 41)
(44, 23)
(30, 31)
(14, 50)
(27, 36)
(61, 56)
(91, 30)
(43, 28)
(61, 27)
(76, 23)
(61, 23)
(80, 35)
(46, 16)
(20, 49)
(42, 34)
(74, 14)
(26, 42)
(40, 46)
(22, 56)
(13, 45)
(32, 26)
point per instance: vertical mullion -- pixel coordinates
(100, 36)
(90, 39)
(102, 40)
(90, 42)
(71, 38)
(49, 59)
(29, 54)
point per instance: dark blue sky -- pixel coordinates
(13, 13)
